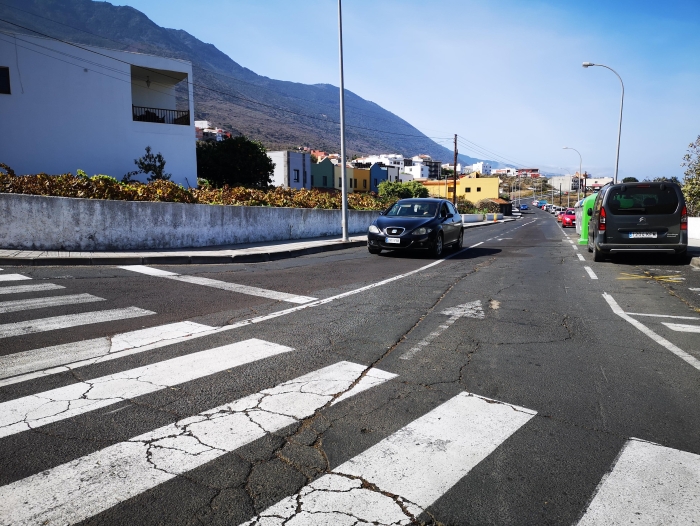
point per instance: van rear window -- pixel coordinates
(642, 200)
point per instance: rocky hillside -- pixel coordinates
(281, 114)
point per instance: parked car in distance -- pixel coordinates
(559, 214)
(568, 218)
(638, 217)
(524, 207)
(418, 223)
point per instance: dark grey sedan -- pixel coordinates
(418, 223)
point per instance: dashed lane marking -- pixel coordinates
(13, 277)
(580, 257)
(30, 412)
(23, 289)
(590, 272)
(84, 487)
(651, 334)
(680, 327)
(9, 330)
(42, 303)
(449, 442)
(223, 285)
(35, 363)
(649, 484)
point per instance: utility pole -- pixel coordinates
(454, 177)
(343, 172)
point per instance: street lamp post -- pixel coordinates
(622, 100)
(343, 172)
(580, 173)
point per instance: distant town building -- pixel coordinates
(567, 183)
(528, 172)
(292, 169)
(322, 174)
(480, 167)
(472, 189)
(434, 168)
(506, 172)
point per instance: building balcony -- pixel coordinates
(160, 115)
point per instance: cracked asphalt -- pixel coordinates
(516, 321)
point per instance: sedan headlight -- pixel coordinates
(373, 229)
(421, 231)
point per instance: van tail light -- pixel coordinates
(601, 225)
(684, 219)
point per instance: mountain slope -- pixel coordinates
(279, 113)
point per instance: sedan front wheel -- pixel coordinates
(460, 241)
(436, 249)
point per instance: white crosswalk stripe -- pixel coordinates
(681, 327)
(224, 285)
(79, 489)
(9, 330)
(649, 484)
(33, 411)
(13, 277)
(42, 303)
(27, 365)
(451, 439)
(23, 289)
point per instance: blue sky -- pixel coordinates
(505, 74)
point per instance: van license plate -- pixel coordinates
(634, 235)
(397, 241)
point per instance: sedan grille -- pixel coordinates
(394, 230)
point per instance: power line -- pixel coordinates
(219, 91)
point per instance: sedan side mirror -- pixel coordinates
(381, 213)
(590, 212)
(449, 216)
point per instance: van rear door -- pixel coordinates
(643, 214)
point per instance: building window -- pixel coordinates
(375, 181)
(478, 189)
(5, 80)
(325, 181)
(451, 190)
(340, 182)
(296, 176)
(467, 190)
(355, 183)
(364, 183)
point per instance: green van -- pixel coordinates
(638, 217)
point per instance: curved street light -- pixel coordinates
(622, 100)
(580, 173)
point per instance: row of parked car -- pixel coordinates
(565, 216)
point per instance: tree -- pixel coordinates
(630, 180)
(673, 179)
(153, 165)
(402, 190)
(235, 161)
(691, 186)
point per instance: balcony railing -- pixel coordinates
(160, 115)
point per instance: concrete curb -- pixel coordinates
(200, 258)
(695, 262)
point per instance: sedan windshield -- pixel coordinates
(413, 209)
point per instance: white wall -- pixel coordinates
(694, 230)
(63, 223)
(60, 117)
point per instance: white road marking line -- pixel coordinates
(42, 303)
(649, 484)
(33, 411)
(646, 330)
(217, 284)
(70, 320)
(590, 272)
(468, 310)
(679, 327)
(664, 316)
(21, 289)
(694, 290)
(13, 277)
(27, 365)
(417, 464)
(84, 487)
(250, 321)
(580, 257)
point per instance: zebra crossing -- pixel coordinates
(394, 481)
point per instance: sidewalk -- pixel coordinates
(243, 253)
(694, 250)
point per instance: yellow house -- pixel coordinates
(361, 180)
(472, 189)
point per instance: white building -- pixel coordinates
(481, 167)
(506, 172)
(292, 169)
(418, 170)
(392, 159)
(567, 183)
(450, 166)
(94, 109)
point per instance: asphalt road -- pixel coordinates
(514, 382)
